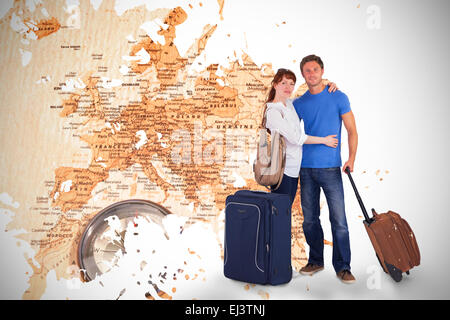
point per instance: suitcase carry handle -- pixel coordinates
(358, 197)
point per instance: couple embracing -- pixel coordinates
(311, 126)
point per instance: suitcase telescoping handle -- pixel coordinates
(361, 204)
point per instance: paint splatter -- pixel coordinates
(121, 293)
(263, 294)
(161, 293)
(149, 296)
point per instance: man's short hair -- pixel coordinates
(311, 57)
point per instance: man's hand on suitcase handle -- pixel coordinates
(348, 166)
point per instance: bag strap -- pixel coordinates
(264, 118)
(283, 164)
(263, 126)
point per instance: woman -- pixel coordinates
(282, 117)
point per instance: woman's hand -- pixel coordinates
(332, 87)
(331, 141)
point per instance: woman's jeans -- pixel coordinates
(288, 186)
(330, 180)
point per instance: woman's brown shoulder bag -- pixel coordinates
(270, 161)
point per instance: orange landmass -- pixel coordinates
(70, 105)
(57, 251)
(43, 28)
(165, 58)
(47, 27)
(83, 182)
(221, 3)
(94, 109)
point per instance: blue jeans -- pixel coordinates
(330, 180)
(288, 186)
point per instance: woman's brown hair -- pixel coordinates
(277, 78)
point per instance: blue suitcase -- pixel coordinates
(258, 237)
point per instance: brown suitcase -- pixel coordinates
(392, 238)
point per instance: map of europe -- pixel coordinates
(121, 115)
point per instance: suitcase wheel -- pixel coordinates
(395, 273)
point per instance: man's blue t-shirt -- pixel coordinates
(321, 114)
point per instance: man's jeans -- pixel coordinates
(330, 180)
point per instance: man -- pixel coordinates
(323, 113)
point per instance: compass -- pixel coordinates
(102, 242)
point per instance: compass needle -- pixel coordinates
(117, 243)
(108, 250)
(120, 235)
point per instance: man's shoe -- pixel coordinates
(310, 269)
(346, 276)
